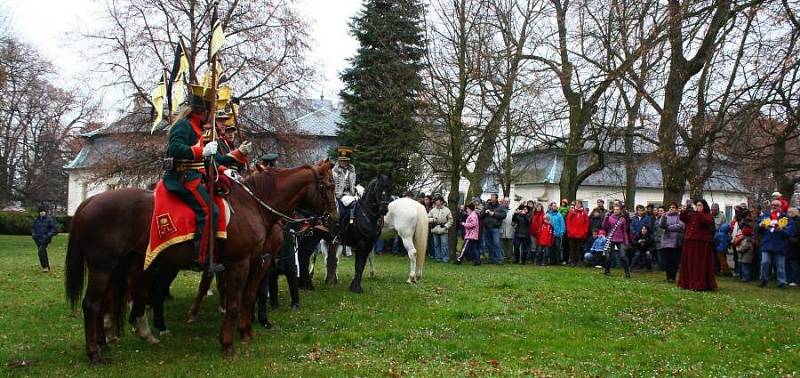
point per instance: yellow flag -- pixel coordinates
(178, 94)
(217, 39)
(158, 104)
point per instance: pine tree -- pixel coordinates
(381, 91)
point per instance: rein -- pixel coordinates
(287, 219)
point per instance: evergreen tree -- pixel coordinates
(381, 91)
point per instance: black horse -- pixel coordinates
(363, 231)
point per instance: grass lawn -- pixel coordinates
(460, 321)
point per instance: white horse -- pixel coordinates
(410, 220)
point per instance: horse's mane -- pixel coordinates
(262, 183)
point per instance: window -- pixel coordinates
(729, 212)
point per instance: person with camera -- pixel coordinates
(697, 257)
(522, 236)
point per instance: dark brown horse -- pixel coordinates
(109, 236)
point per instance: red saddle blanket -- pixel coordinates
(173, 221)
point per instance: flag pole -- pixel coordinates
(212, 171)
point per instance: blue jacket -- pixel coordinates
(557, 220)
(722, 240)
(599, 244)
(44, 228)
(775, 239)
(637, 223)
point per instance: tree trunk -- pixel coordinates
(631, 165)
(453, 203)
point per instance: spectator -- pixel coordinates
(537, 218)
(643, 250)
(722, 241)
(600, 208)
(639, 220)
(697, 262)
(719, 218)
(471, 232)
(577, 231)
(522, 235)
(507, 230)
(793, 253)
(491, 220)
(658, 234)
(44, 228)
(784, 202)
(546, 241)
(598, 248)
(564, 208)
(616, 227)
(745, 244)
(650, 210)
(741, 218)
(671, 241)
(559, 228)
(440, 220)
(775, 228)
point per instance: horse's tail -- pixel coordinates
(74, 265)
(421, 237)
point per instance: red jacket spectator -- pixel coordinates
(577, 224)
(537, 219)
(545, 236)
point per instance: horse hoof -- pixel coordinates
(295, 306)
(357, 290)
(228, 352)
(97, 361)
(191, 319)
(266, 325)
(150, 339)
(164, 332)
(111, 339)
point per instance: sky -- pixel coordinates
(50, 25)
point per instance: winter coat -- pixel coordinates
(794, 241)
(495, 220)
(638, 222)
(471, 226)
(44, 228)
(673, 231)
(620, 234)
(537, 219)
(699, 226)
(522, 224)
(599, 244)
(746, 250)
(722, 240)
(775, 238)
(440, 220)
(559, 227)
(595, 223)
(658, 234)
(507, 227)
(545, 236)
(577, 224)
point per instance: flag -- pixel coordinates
(175, 91)
(158, 102)
(217, 38)
(207, 76)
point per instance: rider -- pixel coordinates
(227, 156)
(269, 160)
(344, 178)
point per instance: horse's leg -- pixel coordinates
(334, 254)
(202, 289)
(92, 310)
(371, 260)
(158, 294)
(408, 242)
(251, 285)
(235, 276)
(361, 262)
(221, 290)
(140, 290)
(109, 304)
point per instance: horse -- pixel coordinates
(410, 220)
(362, 232)
(109, 236)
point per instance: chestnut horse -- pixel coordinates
(109, 235)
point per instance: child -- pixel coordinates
(545, 240)
(744, 246)
(722, 240)
(595, 253)
(471, 232)
(643, 246)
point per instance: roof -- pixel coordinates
(546, 166)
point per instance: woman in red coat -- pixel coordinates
(577, 231)
(537, 219)
(697, 257)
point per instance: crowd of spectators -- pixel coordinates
(691, 242)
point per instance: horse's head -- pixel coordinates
(382, 190)
(323, 198)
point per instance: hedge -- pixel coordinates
(16, 223)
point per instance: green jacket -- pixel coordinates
(182, 145)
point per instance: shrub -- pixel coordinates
(12, 223)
